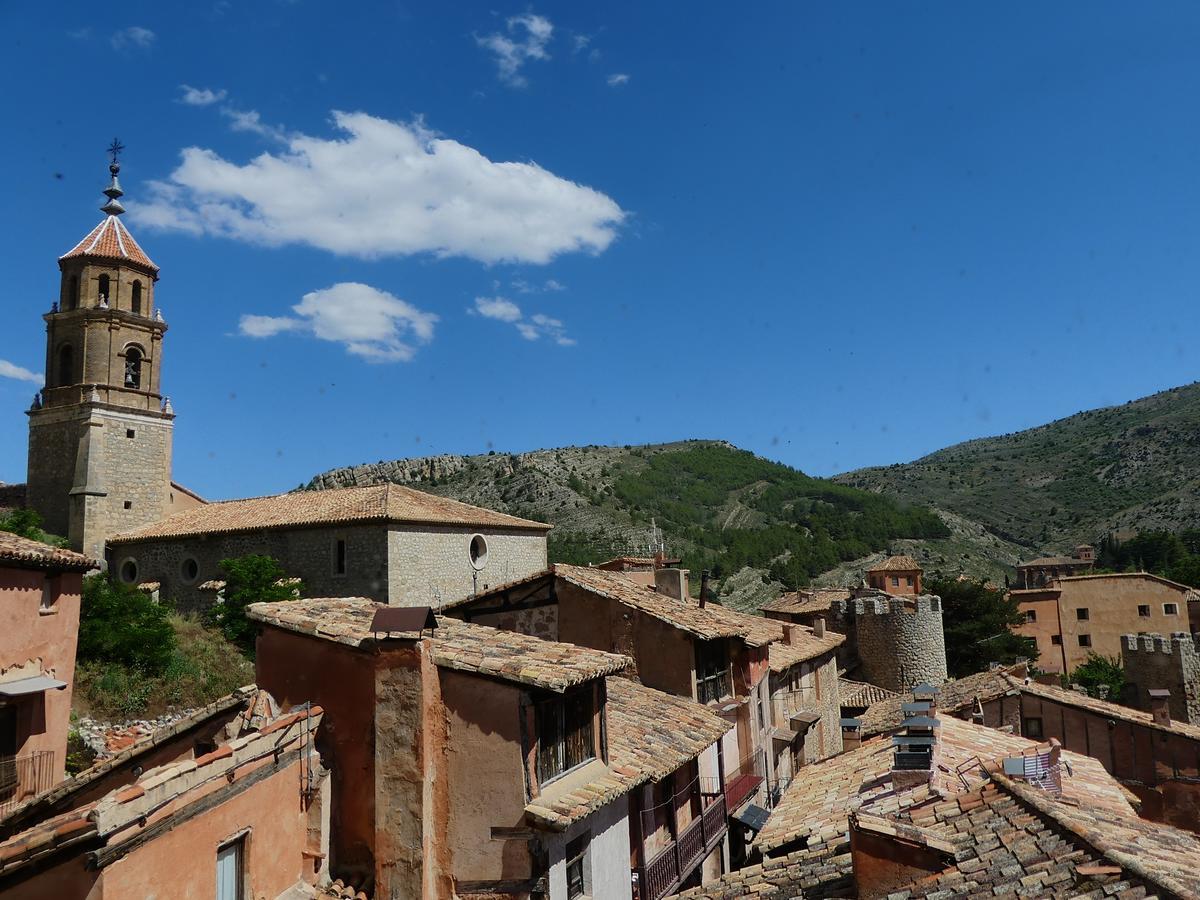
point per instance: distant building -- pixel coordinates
(897, 575)
(804, 607)
(387, 542)
(40, 588)
(1041, 571)
(1070, 617)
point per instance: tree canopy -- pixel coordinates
(254, 578)
(977, 621)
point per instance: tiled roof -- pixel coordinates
(807, 602)
(827, 872)
(656, 733)
(111, 240)
(815, 806)
(896, 564)
(806, 646)
(952, 696)
(860, 693)
(1103, 707)
(26, 554)
(581, 793)
(372, 503)
(507, 655)
(48, 837)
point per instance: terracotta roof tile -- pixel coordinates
(24, 553)
(655, 733)
(372, 503)
(580, 794)
(953, 696)
(1102, 707)
(860, 693)
(111, 240)
(807, 602)
(507, 655)
(805, 646)
(896, 564)
(828, 872)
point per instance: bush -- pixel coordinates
(976, 620)
(121, 625)
(1101, 670)
(28, 524)
(248, 579)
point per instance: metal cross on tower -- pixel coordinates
(115, 149)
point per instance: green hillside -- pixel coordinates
(758, 525)
(1121, 468)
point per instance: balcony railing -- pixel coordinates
(23, 776)
(663, 874)
(743, 783)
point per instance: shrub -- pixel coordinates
(254, 578)
(28, 524)
(121, 625)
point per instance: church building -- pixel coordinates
(100, 431)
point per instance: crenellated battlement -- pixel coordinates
(1164, 662)
(898, 640)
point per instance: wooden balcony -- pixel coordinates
(23, 776)
(679, 859)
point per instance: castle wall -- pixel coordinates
(1152, 662)
(900, 643)
(428, 562)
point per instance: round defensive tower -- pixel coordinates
(899, 640)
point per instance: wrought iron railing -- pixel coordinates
(23, 776)
(675, 862)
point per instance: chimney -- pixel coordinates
(819, 627)
(851, 733)
(703, 588)
(671, 583)
(791, 634)
(1160, 706)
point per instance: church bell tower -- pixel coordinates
(100, 431)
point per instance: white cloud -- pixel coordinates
(497, 308)
(383, 188)
(249, 120)
(552, 285)
(199, 96)
(368, 322)
(532, 328)
(133, 36)
(617, 79)
(525, 38)
(11, 370)
(521, 286)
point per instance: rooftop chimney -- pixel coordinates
(791, 634)
(1160, 706)
(851, 733)
(819, 627)
(703, 587)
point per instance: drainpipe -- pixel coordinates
(703, 588)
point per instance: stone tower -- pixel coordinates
(100, 431)
(899, 641)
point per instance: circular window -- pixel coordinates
(129, 571)
(189, 570)
(479, 551)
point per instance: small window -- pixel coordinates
(1030, 616)
(339, 557)
(1056, 640)
(133, 368)
(1081, 614)
(66, 365)
(908, 580)
(1144, 610)
(566, 734)
(189, 570)
(1032, 729)
(576, 869)
(51, 591)
(231, 870)
(895, 581)
(1170, 609)
(135, 301)
(102, 292)
(1085, 640)
(129, 571)
(128, 504)
(478, 551)
(130, 433)
(712, 670)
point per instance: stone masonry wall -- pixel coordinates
(1152, 661)
(53, 444)
(900, 642)
(427, 564)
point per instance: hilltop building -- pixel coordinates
(1070, 617)
(896, 575)
(101, 430)
(387, 542)
(1041, 571)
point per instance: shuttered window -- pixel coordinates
(566, 733)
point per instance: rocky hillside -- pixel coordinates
(1129, 467)
(758, 525)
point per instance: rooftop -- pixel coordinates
(953, 696)
(807, 602)
(111, 240)
(815, 806)
(392, 503)
(26, 554)
(506, 655)
(860, 693)
(896, 564)
(1102, 707)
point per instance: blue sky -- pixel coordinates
(835, 235)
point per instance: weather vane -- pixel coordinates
(115, 148)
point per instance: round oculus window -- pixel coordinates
(189, 570)
(129, 571)
(479, 551)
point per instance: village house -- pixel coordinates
(388, 542)
(897, 575)
(776, 682)
(1041, 571)
(471, 761)
(248, 818)
(1072, 617)
(40, 589)
(804, 607)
